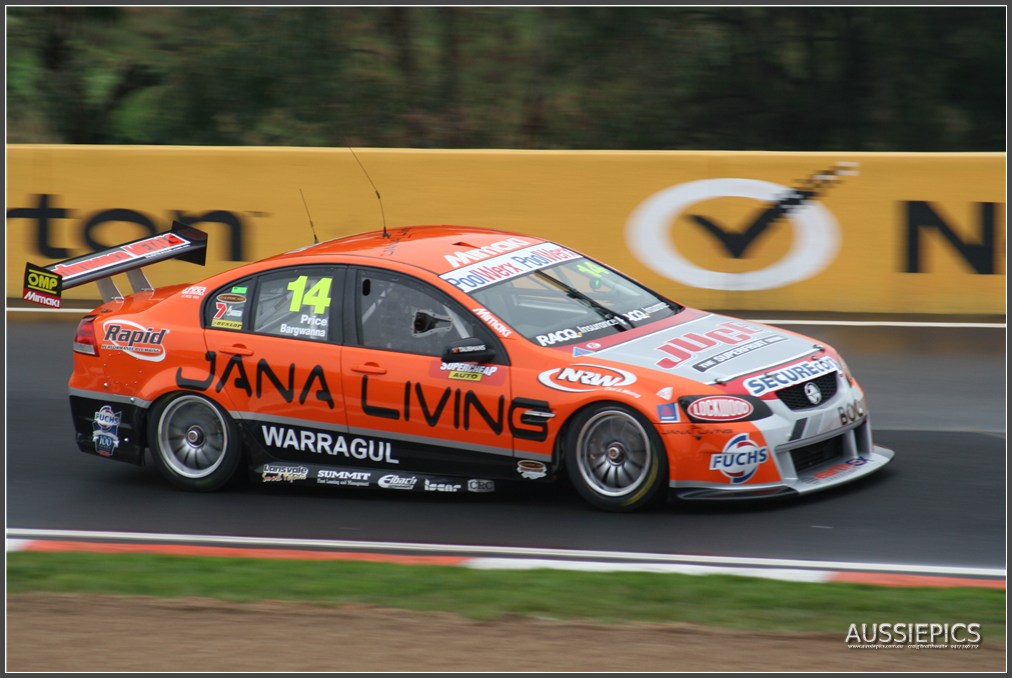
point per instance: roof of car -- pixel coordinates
(436, 248)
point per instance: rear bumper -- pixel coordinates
(108, 425)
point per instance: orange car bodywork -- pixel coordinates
(336, 412)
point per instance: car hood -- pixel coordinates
(705, 347)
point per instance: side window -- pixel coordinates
(397, 314)
(227, 309)
(295, 303)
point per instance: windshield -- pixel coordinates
(573, 301)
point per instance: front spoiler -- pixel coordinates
(823, 477)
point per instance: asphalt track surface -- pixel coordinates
(937, 396)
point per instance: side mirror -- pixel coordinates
(470, 350)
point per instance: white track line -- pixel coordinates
(506, 551)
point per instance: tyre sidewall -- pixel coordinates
(215, 480)
(649, 492)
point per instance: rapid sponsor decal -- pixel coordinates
(740, 459)
(282, 472)
(790, 375)
(720, 408)
(105, 432)
(312, 384)
(476, 276)
(532, 470)
(478, 485)
(462, 408)
(143, 343)
(326, 476)
(582, 377)
(492, 321)
(396, 482)
(323, 442)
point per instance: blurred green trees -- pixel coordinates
(740, 78)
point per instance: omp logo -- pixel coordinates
(740, 459)
(720, 408)
(579, 378)
(143, 343)
(815, 230)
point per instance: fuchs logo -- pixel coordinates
(393, 482)
(105, 433)
(740, 459)
(143, 343)
(720, 408)
(579, 377)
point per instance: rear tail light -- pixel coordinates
(84, 339)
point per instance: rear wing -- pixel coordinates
(45, 284)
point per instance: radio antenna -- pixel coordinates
(382, 213)
(311, 226)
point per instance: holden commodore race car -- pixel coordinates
(448, 359)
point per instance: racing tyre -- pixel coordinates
(615, 458)
(195, 443)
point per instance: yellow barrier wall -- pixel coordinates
(883, 232)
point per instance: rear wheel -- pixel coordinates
(194, 441)
(615, 458)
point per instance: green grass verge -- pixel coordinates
(725, 601)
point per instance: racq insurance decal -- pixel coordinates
(506, 266)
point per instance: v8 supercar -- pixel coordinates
(449, 359)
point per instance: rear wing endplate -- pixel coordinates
(45, 284)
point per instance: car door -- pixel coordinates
(441, 416)
(274, 353)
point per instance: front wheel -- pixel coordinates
(615, 458)
(195, 443)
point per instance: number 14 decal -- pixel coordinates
(318, 295)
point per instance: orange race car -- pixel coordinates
(447, 359)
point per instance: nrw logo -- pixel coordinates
(578, 378)
(816, 232)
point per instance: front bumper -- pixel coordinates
(814, 465)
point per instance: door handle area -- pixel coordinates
(236, 349)
(369, 368)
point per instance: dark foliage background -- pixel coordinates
(736, 78)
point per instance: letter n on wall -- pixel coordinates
(979, 256)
